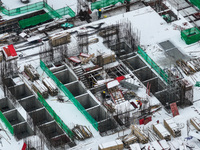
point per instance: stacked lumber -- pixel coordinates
(50, 84)
(60, 38)
(129, 139)
(172, 127)
(161, 132)
(164, 145)
(142, 137)
(195, 121)
(114, 145)
(81, 132)
(39, 87)
(31, 72)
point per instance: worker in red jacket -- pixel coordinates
(139, 103)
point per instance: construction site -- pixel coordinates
(100, 74)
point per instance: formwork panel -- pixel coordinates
(145, 74)
(75, 88)
(22, 130)
(6, 105)
(40, 117)
(65, 76)
(14, 117)
(51, 130)
(30, 104)
(20, 91)
(134, 63)
(98, 113)
(87, 101)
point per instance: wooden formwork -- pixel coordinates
(142, 137)
(172, 127)
(59, 39)
(161, 132)
(195, 122)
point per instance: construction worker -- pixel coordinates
(104, 94)
(99, 13)
(139, 103)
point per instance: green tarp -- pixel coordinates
(67, 25)
(162, 74)
(191, 35)
(46, 17)
(69, 95)
(104, 3)
(196, 3)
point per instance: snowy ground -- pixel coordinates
(151, 33)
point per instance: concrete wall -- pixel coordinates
(30, 104)
(75, 88)
(65, 76)
(98, 113)
(14, 117)
(6, 105)
(134, 63)
(86, 101)
(144, 74)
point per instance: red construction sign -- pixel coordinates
(174, 109)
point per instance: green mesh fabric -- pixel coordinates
(104, 3)
(46, 17)
(7, 123)
(162, 74)
(69, 95)
(56, 117)
(24, 9)
(191, 35)
(196, 3)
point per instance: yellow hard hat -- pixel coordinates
(99, 9)
(104, 92)
(136, 100)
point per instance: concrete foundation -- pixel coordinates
(106, 125)
(20, 91)
(156, 85)
(22, 130)
(75, 88)
(40, 117)
(56, 69)
(144, 74)
(98, 113)
(14, 117)
(86, 101)
(134, 63)
(51, 130)
(6, 105)
(30, 104)
(65, 76)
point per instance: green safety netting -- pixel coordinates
(24, 9)
(46, 17)
(7, 123)
(163, 75)
(69, 25)
(69, 95)
(104, 3)
(55, 116)
(196, 3)
(191, 35)
(197, 84)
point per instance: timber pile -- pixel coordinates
(114, 145)
(81, 132)
(50, 84)
(31, 72)
(38, 86)
(172, 127)
(60, 38)
(161, 132)
(129, 139)
(186, 67)
(142, 137)
(195, 122)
